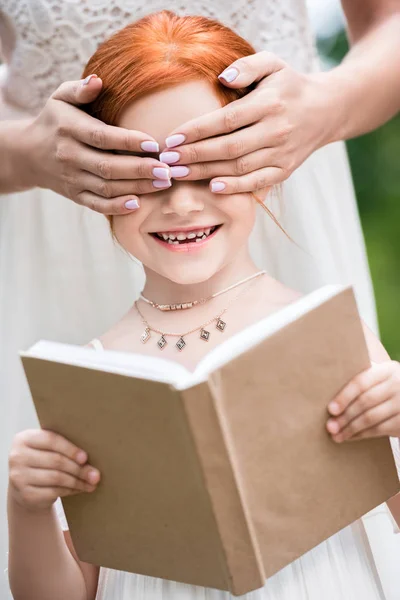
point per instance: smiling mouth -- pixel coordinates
(179, 238)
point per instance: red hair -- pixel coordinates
(162, 49)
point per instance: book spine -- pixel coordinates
(204, 413)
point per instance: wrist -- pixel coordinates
(16, 169)
(332, 102)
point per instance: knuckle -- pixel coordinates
(231, 120)
(144, 168)
(62, 130)
(234, 148)
(284, 132)
(97, 138)
(198, 130)
(28, 495)
(58, 461)
(241, 166)
(203, 170)
(104, 169)
(193, 154)
(261, 182)
(61, 154)
(105, 190)
(13, 458)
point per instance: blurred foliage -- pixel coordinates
(375, 165)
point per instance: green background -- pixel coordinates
(375, 165)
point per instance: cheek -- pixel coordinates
(241, 211)
(126, 230)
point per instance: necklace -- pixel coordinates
(184, 305)
(220, 325)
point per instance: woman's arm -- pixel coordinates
(365, 87)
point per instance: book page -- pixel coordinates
(255, 333)
(112, 361)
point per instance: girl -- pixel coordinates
(201, 286)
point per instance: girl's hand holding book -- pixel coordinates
(44, 466)
(368, 406)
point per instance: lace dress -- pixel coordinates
(62, 278)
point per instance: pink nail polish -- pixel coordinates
(175, 140)
(179, 171)
(229, 74)
(88, 79)
(150, 146)
(158, 183)
(132, 204)
(333, 407)
(161, 172)
(169, 157)
(217, 186)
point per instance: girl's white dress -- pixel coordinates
(62, 278)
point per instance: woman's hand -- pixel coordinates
(44, 466)
(68, 151)
(261, 138)
(368, 406)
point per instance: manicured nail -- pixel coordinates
(333, 426)
(88, 79)
(81, 457)
(333, 407)
(161, 172)
(169, 157)
(217, 186)
(175, 140)
(132, 204)
(179, 171)
(229, 74)
(150, 146)
(162, 184)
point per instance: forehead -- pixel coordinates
(164, 110)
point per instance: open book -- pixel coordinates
(222, 476)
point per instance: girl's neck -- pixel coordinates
(164, 291)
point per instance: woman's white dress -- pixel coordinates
(62, 278)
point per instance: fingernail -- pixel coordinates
(150, 146)
(93, 476)
(175, 140)
(81, 457)
(229, 74)
(333, 407)
(333, 426)
(169, 157)
(132, 204)
(161, 172)
(179, 171)
(88, 79)
(161, 184)
(217, 186)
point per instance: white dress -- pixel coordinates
(62, 278)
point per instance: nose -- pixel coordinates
(182, 198)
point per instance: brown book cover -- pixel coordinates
(225, 482)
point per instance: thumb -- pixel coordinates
(249, 69)
(79, 92)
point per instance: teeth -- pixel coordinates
(198, 240)
(200, 234)
(176, 243)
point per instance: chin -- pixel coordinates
(190, 276)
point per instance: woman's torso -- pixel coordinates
(46, 42)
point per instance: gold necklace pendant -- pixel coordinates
(145, 336)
